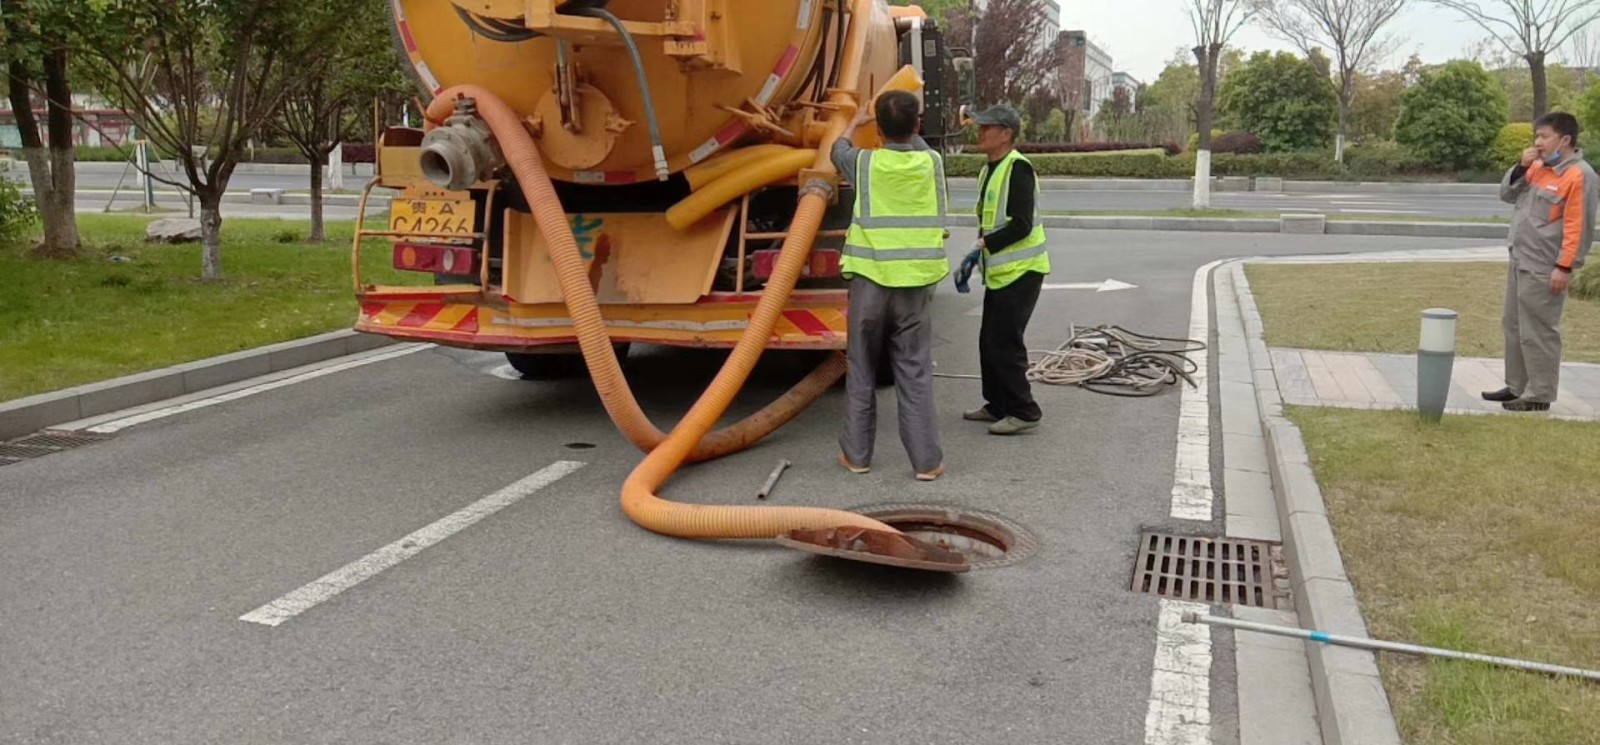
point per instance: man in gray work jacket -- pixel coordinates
(1556, 194)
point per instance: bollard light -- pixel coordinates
(1436, 356)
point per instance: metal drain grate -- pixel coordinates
(45, 443)
(1207, 570)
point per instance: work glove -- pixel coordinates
(968, 265)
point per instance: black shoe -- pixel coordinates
(1521, 405)
(1502, 395)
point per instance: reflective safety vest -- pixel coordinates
(897, 236)
(1007, 265)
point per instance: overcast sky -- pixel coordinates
(1141, 44)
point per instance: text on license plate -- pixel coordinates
(445, 216)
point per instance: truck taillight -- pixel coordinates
(422, 257)
(824, 263)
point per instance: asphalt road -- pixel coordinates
(129, 562)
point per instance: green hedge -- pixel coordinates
(1158, 165)
(261, 155)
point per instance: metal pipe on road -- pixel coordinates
(1383, 646)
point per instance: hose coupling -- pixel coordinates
(463, 151)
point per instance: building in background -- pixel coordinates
(1127, 83)
(96, 124)
(1087, 75)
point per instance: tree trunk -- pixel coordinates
(211, 234)
(57, 207)
(1347, 94)
(1206, 56)
(1541, 86)
(317, 164)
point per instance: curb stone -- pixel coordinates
(34, 413)
(1352, 706)
(1474, 231)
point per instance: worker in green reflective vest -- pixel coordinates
(894, 256)
(1014, 259)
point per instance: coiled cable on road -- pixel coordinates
(1116, 362)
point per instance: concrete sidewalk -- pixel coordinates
(1368, 380)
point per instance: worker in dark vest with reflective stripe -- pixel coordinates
(894, 256)
(1012, 254)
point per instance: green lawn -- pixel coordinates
(68, 323)
(1479, 535)
(1378, 307)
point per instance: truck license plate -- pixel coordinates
(438, 216)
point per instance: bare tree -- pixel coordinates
(35, 49)
(1214, 23)
(1531, 30)
(1016, 51)
(323, 110)
(1584, 52)
(1349, 29)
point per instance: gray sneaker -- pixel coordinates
(1011, 426)
(980, 414)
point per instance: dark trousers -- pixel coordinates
(892, 326)
(1002, 351)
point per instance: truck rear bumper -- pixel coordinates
(451, 317)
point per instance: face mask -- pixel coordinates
(1553, 158)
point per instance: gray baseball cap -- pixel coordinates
(999, 115)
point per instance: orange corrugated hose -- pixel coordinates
(572, 274)
(689, 440)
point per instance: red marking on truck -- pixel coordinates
(730, 132)
(405, 33)
(787, 61)
(468, 323)
(420, 315)
(807, 322)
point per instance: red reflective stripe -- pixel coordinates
(370, 310)
(729, 132)
(405, 33)
(468, 323)
(420, 315)
(787, 61)
(806, 322)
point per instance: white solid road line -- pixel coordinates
(329, 585)
(1191, 486)
(162, 413)
(1180, 688)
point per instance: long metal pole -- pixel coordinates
(1375, 644)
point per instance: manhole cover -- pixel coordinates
(1206, 570)
(44, 443)
(988, 540)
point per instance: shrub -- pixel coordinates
(1137, 164)
(1453, 115)
(1033, 148)
(1382, 160)
(17, 212)
(359, 152)
(1194, 140)
(1509, 144)
(1286, 100)
(1240, 143)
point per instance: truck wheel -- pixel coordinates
(556, 365)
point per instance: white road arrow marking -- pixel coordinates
(1110, 285)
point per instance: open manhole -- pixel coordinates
(1217, 571)
(988, 540)
(44, 443)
